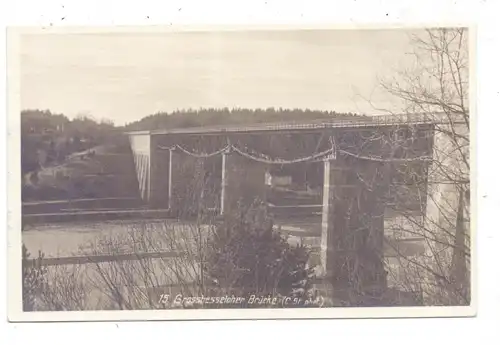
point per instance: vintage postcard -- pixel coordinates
(241, 173)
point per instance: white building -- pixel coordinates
(277, 181)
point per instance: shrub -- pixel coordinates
(246, 256)
(33, 278)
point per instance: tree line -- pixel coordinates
(225, 116)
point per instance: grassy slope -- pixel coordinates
(108, 173)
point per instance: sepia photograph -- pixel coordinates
(230, 173)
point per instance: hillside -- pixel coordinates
(104, 171)
(47, 138)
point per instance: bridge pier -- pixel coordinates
(182, 183)
(153, 167)
(141, 151)
(447, 211)
(352, 230)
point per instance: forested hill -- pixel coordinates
(54, 136)
(210, 116)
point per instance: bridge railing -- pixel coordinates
(378, 120)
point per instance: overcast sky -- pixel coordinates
(124, 77)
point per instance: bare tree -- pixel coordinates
(33, 278)
(65, 289)
(434, 86)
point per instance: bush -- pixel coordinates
(33, 278)
(245, 256)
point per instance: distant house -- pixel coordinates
(277, 181)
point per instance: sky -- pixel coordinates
(126, 76)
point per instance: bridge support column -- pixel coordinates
(448, 213)
(352, 231)
(242, 183)
(224, 184)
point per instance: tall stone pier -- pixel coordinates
(152, 167)
(141, 149)
(353, 229)
(159, 185)
(448, 214)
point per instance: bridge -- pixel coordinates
(219, 167)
